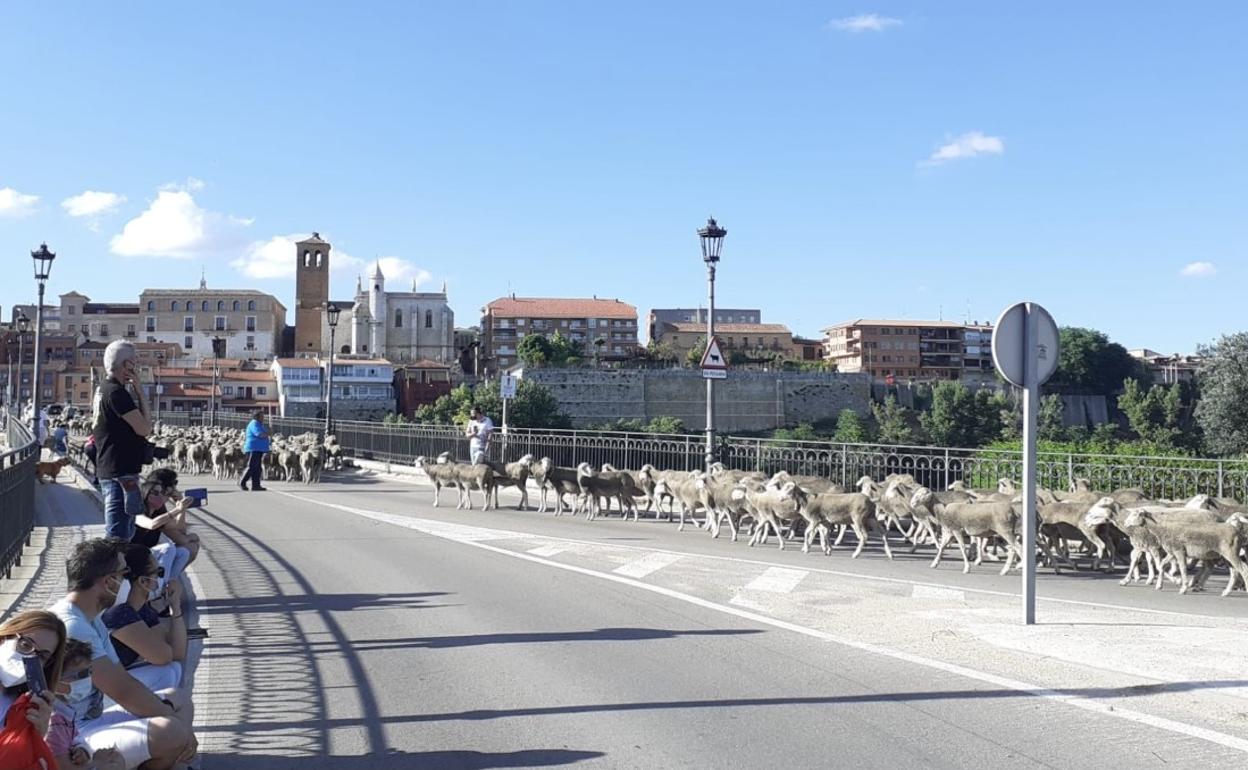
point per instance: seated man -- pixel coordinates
(153, 652)
(146, 728)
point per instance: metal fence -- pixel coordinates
(935, 467)
(17, 491)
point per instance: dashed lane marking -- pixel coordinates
(1112, 710)
(548, 550)
(777, 580)
(651, 562)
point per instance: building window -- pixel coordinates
(130, 330)
(151, 323)
(307, 258)
(227, 390)
(218, 323)
(236, 306)
(398, 319)
(72, 328)
(251, 304)
(151, 306)
(251, 343)
(220, 306)
(188, 324)
(428, 319)
(173, 306)
(103, 330)
(251, 323)
(262, 390)
(151, 339)
(203, 306)
(188, 342)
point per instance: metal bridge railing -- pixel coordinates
(934, 467)
(17, 491)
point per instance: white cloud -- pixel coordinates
(91, 205)
(174, 225)
(16, 205)
(276, 258)
(864, 22)
(968, 145)
(1198, 270)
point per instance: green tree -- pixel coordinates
(1153, 414)
(892, 421)
(533, 407)
(661, 351)
(960, 418)
(1050, 422)
(850, 428)
(1089, 363)
(534, 350)
(802, 432)
(694, 356)
(563, 349)
(666, 424)
(1222, 411)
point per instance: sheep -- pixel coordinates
(470, 477)
(513, 475)
(688, 492)
(977, 519)
(770, 506)
(440, 474)
(637, 484)
(1199, 540)
(721, 501)
(310, 463)
(597, 485)
(562, 480)
(1071, 518)
(854, 509)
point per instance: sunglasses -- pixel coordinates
(77, 676)
(26, 646)
(159, 573)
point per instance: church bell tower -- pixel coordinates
(311, 293)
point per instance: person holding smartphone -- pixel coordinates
(121, 428)
(37, 635)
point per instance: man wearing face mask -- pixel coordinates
(146, 728)
(121, 428)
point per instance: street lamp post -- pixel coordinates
(712, 238)
(331, 316)
(42, 259)
(23, 326)
(218, 350)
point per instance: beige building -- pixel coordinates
(249, 321)
(752, 339)
(921, 350)
(506, 321)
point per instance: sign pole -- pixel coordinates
(1031, 397)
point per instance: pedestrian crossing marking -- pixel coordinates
(777, 580)
(548, 550)
(651, 562)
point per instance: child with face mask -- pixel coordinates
(69, 748)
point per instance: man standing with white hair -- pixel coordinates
(121, 428)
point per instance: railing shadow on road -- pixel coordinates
(265, 691)
(319, 603)
(424, 760)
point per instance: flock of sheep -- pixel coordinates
(219, 451)
(1161, 536)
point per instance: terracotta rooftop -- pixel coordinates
(298, 363)
(558, 307)
(908, 323)
(363, 361)
(424, 363)
(688, 326)
(263, 376)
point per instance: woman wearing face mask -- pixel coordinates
(34, 632)
(153, 652)
(163, 528)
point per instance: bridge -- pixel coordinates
(353, 624)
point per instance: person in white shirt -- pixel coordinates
(480, 428)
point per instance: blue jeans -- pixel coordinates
(122, 502)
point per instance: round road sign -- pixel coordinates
(1010, 348)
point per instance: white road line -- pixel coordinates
(502, 534)
(777, 580)
(548, 550)
(651, 562)
(1076, 701)
(931, 592)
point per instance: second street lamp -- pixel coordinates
(42, 259)
(331, 316)
(712, 238)
(23, 326)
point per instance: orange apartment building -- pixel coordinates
(506, 321)
(920, 350)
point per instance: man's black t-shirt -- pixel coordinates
(119, 450)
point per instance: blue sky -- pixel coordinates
(868, 159)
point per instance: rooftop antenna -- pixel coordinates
(942, 312)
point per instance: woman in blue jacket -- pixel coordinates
(255, 444)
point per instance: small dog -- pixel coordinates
(50, 469)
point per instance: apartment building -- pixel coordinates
(1168, 369)
(697, 315)
(250, 321)
(921, 350)
(750, 338)
(506, 321)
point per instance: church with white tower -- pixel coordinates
(400, 326)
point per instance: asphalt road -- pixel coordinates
(354, 625)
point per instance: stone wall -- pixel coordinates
(747, 400)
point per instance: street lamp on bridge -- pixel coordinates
(42, 259)
(712, 238)
(332, 312)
